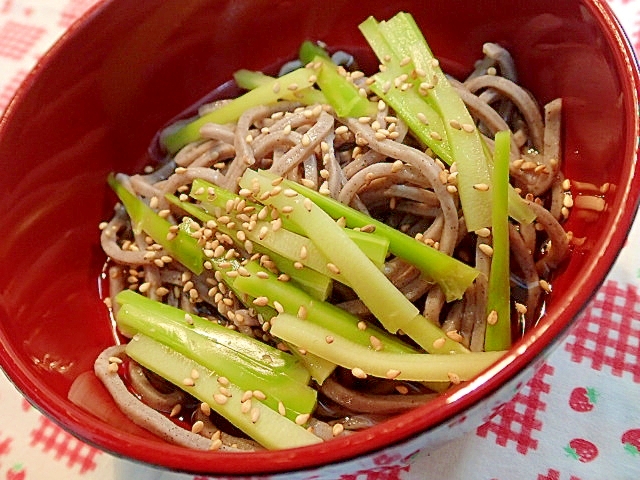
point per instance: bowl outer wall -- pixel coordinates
(94, 101)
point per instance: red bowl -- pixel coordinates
(94, 102)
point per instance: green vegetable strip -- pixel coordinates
(246, 362)
(270, 429)
(292, 299)
(230, 112)
(341, 94)
(406, 40)
(453, 276)
(498, 335)
(384, 300)
(417, 366)
(180, 246)
(421, 118)
(249, 80)
(309, 51)
(214, 199)
(318, 284)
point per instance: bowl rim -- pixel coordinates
(534, 346)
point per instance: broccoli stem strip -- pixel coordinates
(417, 366)
(453, 276)
(266, 94)
(266, 426)
(284, 296)
(245, 361)
(498, 331)
(249, 80)
(179, 244)
(384, 300)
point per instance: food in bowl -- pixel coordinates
(332, 247)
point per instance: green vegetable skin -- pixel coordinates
(246, 362)
(498, 335)
(270, 429)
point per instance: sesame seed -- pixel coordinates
(402, 389)
(358, 373)
(341, 130)
(225, 391)
(376, 343)
(259, 394)
(197, 426)
(545, 285)
(329, 339)
(482, 187)
(302, 418)
(435, 136)
(177, 408)
(486, 249)
(453, 335)
(455, 124)
(247, 395)
(364, 120)
(333, 268)
(276, 87)
(255, 414)
(468, 127)
(483, 232)
(439, 342)
(216, 444)
(281, 410)
(188, 382)
(113, 367)
(397, 166)
(205, 408)
(492, 318)
(362, 326)
(220, 399)
(567, 201)
(392, 373)
(520, 308)
(337, 429)
(453, 378)
(308, 204)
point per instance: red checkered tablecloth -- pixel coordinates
(577, 419)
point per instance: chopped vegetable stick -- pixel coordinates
(406, 41)
(293, 300)
(498, 331)
(249, 80)
(263, 95)
(384, 300)
(341, 94)
(179, 244)
(453, 276)
(270, 429)
(416, 366)
(245, 361)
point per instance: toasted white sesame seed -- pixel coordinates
(453, 335)
(247, 395)
(453, 378)
(341, 130)
(520, 308)
(177, 408)
(255, 414)
(492, 318)
(333, 268)
(205, 408)
(482, 187)
(362, 325)
(197, 426)
(220, 399)
(337, 429)
(113, 367)
(376, 343)
(281, 410)
(188, 382)
(486, 249)
(302, 418)
(545, 285)
(439, 342)
(435, 135)
(358, 373)
(392, 373)
(259, 394)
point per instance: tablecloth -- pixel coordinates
(577, 419)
